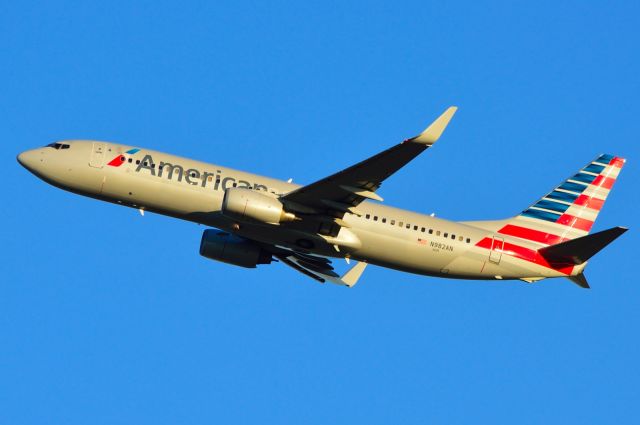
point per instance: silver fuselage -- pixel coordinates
(193, 190)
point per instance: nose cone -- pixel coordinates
(28, 159)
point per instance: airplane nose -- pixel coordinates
(28, 159)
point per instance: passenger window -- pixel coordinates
(460, 238)
(408, 226)
(415, 227)
(393, 222)
(446, 235)
(422, 230)
(400, 224)
(438, 233)
(137, 161)
(130, 160)
(368, 216)
(431, 231)
(384, 220)
(375, 218)
(146, 163)
(453, 237)
(468, 240)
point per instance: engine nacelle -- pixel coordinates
(225, 247)
(250, 205)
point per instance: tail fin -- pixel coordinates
(569, 211)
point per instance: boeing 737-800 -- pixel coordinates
(256, 220)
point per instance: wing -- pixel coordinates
(319, 268)
(343, 191)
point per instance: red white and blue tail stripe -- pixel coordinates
(567, 212)
(570, 210)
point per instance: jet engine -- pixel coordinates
(222, 246)
(250, 205)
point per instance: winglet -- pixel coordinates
(434, 131)
(351, 277)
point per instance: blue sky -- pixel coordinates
(108, 317)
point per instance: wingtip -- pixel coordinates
(435, 130)
(351, 277)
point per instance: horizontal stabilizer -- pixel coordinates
(579, 250)
(580, 280)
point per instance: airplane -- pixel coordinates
(257, 220)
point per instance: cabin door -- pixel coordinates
(97, 155)
(497, 245)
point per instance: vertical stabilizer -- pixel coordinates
(568, 211)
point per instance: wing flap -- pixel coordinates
(301, 269)
(320, 268)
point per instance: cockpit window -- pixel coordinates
(58, 146)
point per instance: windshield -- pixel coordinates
(58, 146)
